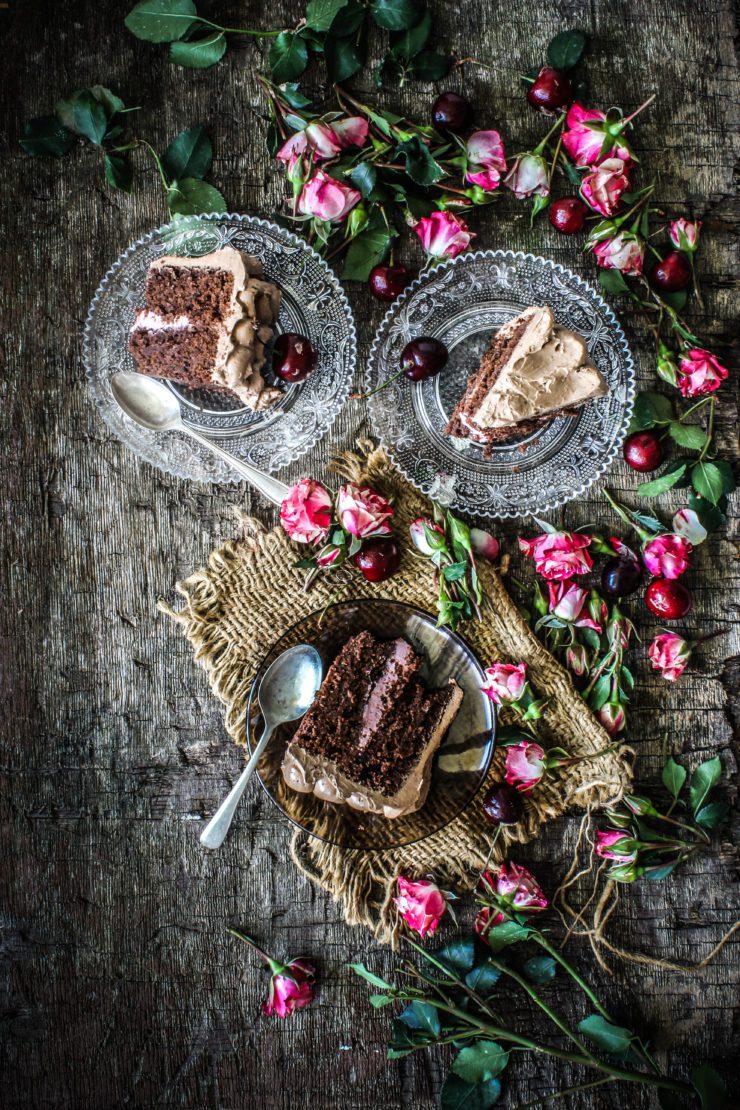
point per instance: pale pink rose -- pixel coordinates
(484, 544)
(515, 888)
(667, 556)
(505, 682)
(625, 252)
(325, 140)
(443, 235)
(422, 905)
(700, 372)
(323, 198)
(612, 717)
(291, 988)
(362, 512)
(418, 534)
(485, 160)
(684, 234)
(669, 654)
(567, 601)
(350, 131)
(602, 188)
(322, 140)
(686, 523)
(305, 514)
(528, 175)
(615, 844)
(559, 554)
(584, 143)
(525, 765)
(292, 148)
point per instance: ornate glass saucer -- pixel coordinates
(463, 302)
(313, 303)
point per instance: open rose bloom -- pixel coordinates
(699, 372)
(559, 554)
(667, 556)
(305, 514)
(625, 252)
(323, 198)
(602, 188)
(525, 765)
(669, 654)
(443, 235)
(422, 905)
(484, 152)
(584, 137)
(363, 512)
(291, 987)
(567, 602)
(505, 682)
(528, 176)
(514, 890)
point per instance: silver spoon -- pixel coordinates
(151, 404)
(286, 691)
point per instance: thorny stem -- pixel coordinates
(506, 970)
(554, 1095)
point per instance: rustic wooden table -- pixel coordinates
(119, 985)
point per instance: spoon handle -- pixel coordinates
(271, 488)
(214, 833)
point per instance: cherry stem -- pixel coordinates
(364, 396)
(542, 144)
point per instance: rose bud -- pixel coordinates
(666, 367)
(576, 660)
(669, 654)
(422, 905)
(505, 682)
(612, 717)
(615, 844)
(684, 234)
(291, 988)
(486, 162)
(529, 176)
(484, 544)
(423, 531)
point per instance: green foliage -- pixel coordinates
(565, 50)
(614, 1039)
(483, 978)
(288, 57)
(674, 777)
(704, 778)
(190, 197)
(45, 135)
(199, 53)
(540, 969)
(709, 1087)
(480, 1061)
(190, 154)
(458, 955)
(370, 977)
(671, 476)
(459, 1095)
(503, 935)
(161, 20)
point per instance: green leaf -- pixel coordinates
(366, 251)
(403, 1040)
(674, 777)
(480, 1061)
(369, 977)
(199, 53)
(344, 57)
(611, 281)
(84, 113)
(46, 135)
(420, 166)
(288, 57)
(454, 572)
(406, 44)
(651, 409)
(711, 516)
(690, 436)
(540, 969)
(657, 873)
(161, 20)
(429, 66)
(713, 479)
(483, 978)
(503, 935)
(395, 15)
(348, 21)
(190, 154)
(458, 954)
(364, 176)
(670, 477)
(380, 1000)
(705, 778)
(710, 1087)
(565, 50)
(712, 815)
(677, 301)
(291, 92)
(118, 172)
(422, 1016)
(459, 1095)
(321, 13)
(599, 696)
(614, 1039)
(191, 197)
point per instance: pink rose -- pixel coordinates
(527, 176)
(684, 234)
(611, 717)
(559, 554)
(667, 556)
(362, 512)
(325, 140)
(418, 531)
(350, 131)
(515, 889)
(305, 514)
(485, 160)
(700, 372)
(615, 844)
(686, 523)
(505, 682)
(422, 905)
(566, 603)
(604, 185)
(525, 765)
(583, 142)
(484, 544)
(625, 252)
(323, 198)
(669, 654)
(443, 235)
(291, 988)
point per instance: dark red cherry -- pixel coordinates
(643, 451)
(672, 274)
(422, 358)
(293, 357)
(387, 282)
(378, 558)
(568, 214)
(503, 804)
(550, 90)
(620, 577)
(451, 112)
(668, 599)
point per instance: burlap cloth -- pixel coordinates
(249, 594)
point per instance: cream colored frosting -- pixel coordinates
(247, 328)
(309, 774)
(548, 370)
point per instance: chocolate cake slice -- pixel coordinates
(206, 323)
(369, 738)
(533, 371)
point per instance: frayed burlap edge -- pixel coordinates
(237, 606)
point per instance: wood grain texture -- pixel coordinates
(118, 985)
